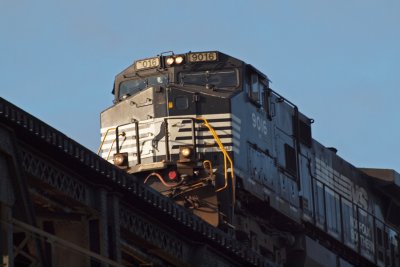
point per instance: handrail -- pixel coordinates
(112, 144)
(212, 131)
(116, 140)
(104, 139)
(226, 156)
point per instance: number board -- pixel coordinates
(148, 63)
(203, 56)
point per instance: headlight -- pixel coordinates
(178, 59)
(186, 152)
(121, 159)
(170, 61)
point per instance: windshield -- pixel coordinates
(131, 87)
(221, 79)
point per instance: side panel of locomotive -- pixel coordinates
(278, 162)
(265, 148)
(350, 208)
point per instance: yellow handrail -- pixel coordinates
(104, 139)
(112, 144)
(226, 156)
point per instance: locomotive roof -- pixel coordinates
(146, 66)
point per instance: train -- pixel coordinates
(207, 130)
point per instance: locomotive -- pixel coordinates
(206, 130)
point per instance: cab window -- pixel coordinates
(257, 86)
(219, 79)
(268, 107)
(131, 87)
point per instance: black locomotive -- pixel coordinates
(205, 129)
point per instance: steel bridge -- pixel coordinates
(62, 205)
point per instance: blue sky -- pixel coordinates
(338, 61)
